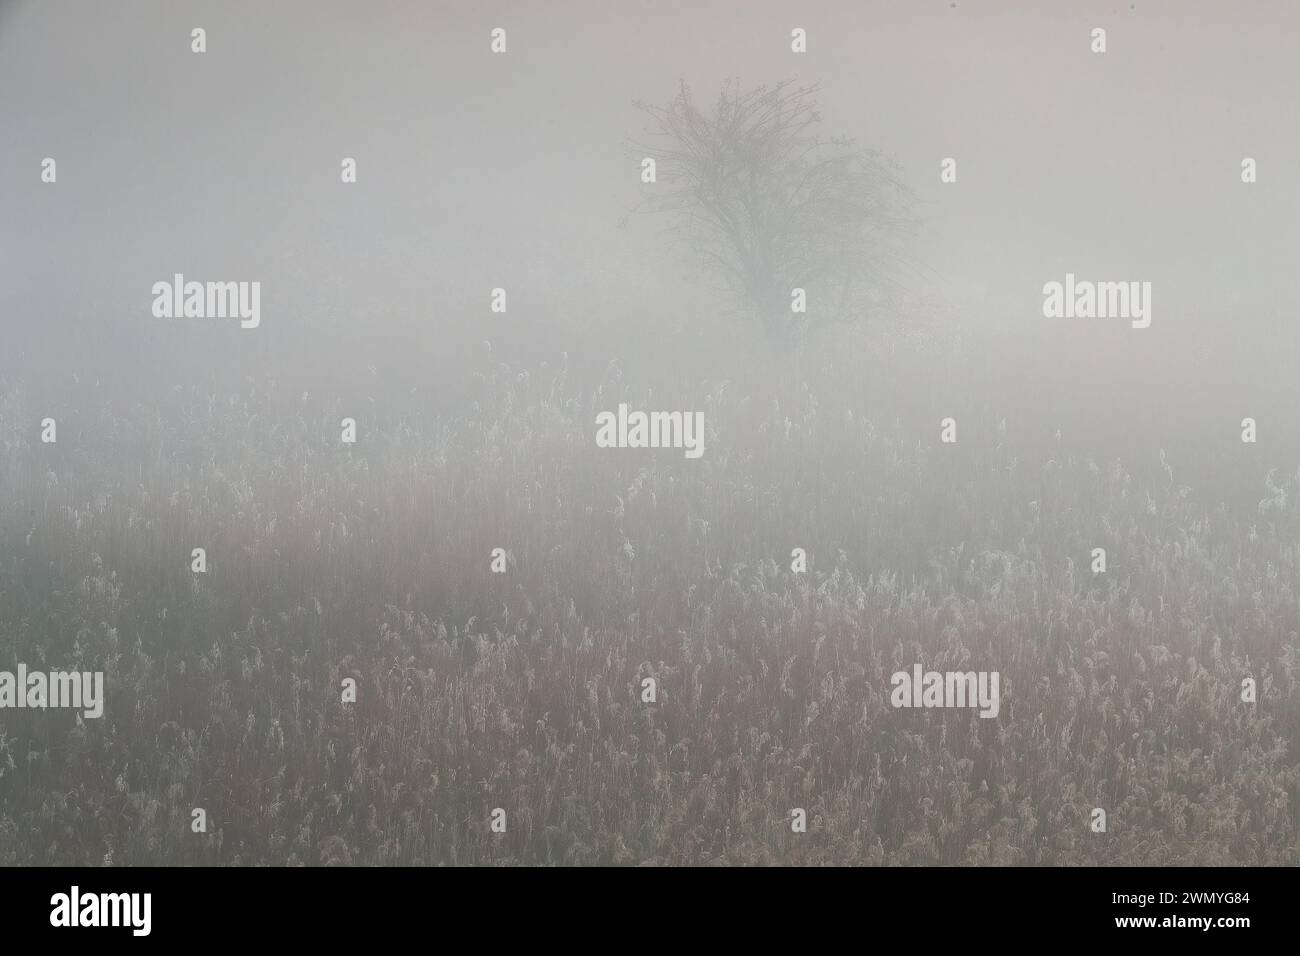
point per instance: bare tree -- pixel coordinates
(769, 205)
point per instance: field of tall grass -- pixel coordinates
(522, 690)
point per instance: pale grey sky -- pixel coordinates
(478, 170)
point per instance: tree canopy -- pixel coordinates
(768, 204)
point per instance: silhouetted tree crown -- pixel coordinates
(767, 205)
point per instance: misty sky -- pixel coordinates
(478, 170)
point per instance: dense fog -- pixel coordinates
(520, 687)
